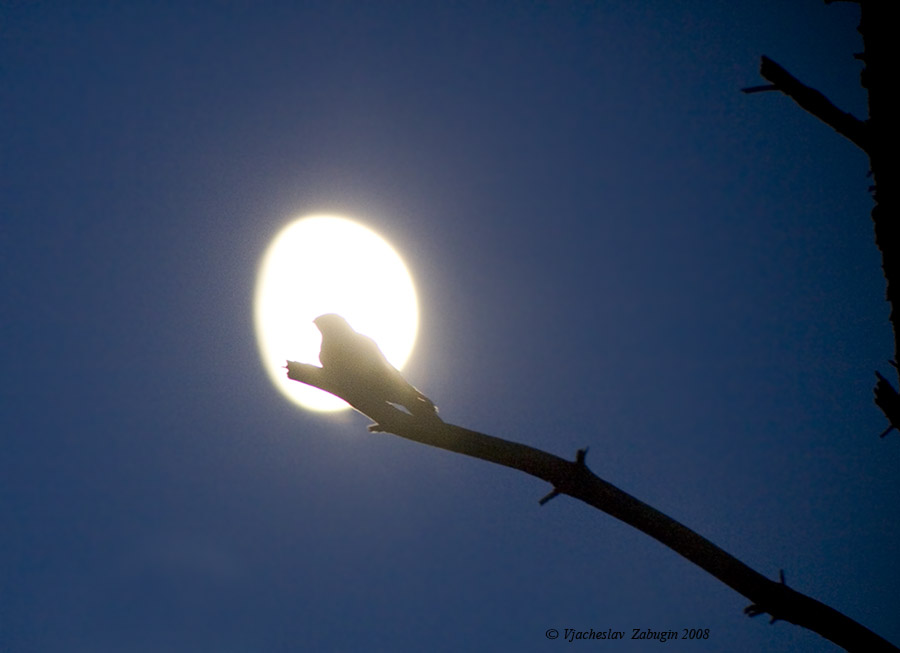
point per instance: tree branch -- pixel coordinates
(815, 103)
(877, 137)
(575, 479)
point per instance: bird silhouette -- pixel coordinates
(358, 363)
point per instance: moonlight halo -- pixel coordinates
(330, 264)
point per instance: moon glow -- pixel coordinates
(330, 264)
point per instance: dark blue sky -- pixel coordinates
(613, 246)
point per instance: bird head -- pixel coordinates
(333, 323)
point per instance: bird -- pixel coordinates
(359, 364)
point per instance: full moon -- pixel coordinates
(330, 264)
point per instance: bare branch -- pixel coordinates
(575, 479)
(815, 103)
(759, 89)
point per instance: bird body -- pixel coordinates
(359, 364)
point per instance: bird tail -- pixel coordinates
(422, 406)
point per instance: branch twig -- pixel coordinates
(814, 102)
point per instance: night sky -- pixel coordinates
(613, 247)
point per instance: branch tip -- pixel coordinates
(759, 89)
(580, 456)
(547, 498)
